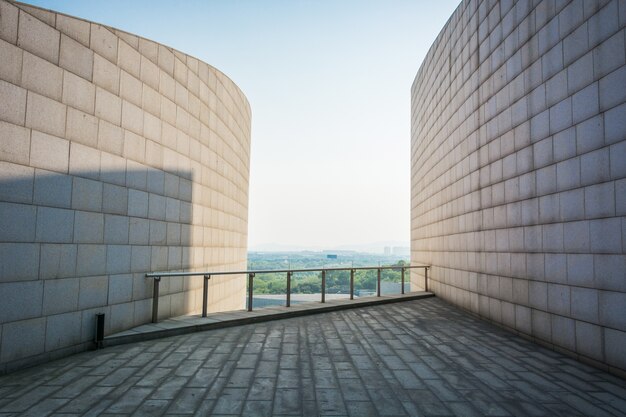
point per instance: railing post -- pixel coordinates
(205, 295)
(289, 289)
(378, 284)
(323, 285)
(155, 299)
(402, 280)
(250, 293)
(352, 284)
(426, 279)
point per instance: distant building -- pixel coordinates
(401, 250)
(387, 250)
(329, 256)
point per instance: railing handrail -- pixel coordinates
(269, 271)
(252, 272)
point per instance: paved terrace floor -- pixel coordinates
(421, 357)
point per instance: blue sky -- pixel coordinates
(329, 85)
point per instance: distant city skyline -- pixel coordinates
(329, 87)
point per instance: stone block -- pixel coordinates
(595, 167)
(120, 288)
(609, 95)
(590, 135)
(75, 28)
(114, 199)
(137, 203)
(580, 73)
(24, 338)
(45, 115)
(16, 183)
(605, 235)
(612, 309)
(556, 88)
(19, 262)
(158, 232)
(17, 222)
(118, 259)
(564, 332)
(20, 300)
(76, 58)
(541, 325)
(585, 304)
(93, 292)
(38, 38)
(57, 261)
(556, 268)
(540, 126)
(600, 200)
(585, 103)
(546, 180)
(538, 295)
(136, 175)
(63, 330)
(542, 153)
(139, 231)
(129, 59)
(523, 320)
(552, 61)
(78, 93)
(86, 194)
(132, 119)
(115, 229)
(580, 270)
(620, 198)
(91, 260)
(615, 124)
(157, 207)
(559, 299)
(572, 205)
(103, 42)
(12, 103)
(60, 296)
(166, 59)
(106, 74)
(609, 55)
(84, 161)
(173, 234)
(108, 106)
(110, 138)
(131, 89)
(82, 128)
(156, 181)
(548, 211)
(561, 116)
(46, 16)
(121, 316)
(88, 227)
(576, 237)
(8, 22)
(41, 76)
(603, 24)
(141, 258)
(11, 65)
(568, 174)
(610, 272)
(589, 340)
(54, 225)
(615, 348)
(152, 129)
(564, 144)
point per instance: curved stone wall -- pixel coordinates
(518, 164)
(118, 156)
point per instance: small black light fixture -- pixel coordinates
(99, 330)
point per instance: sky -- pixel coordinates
(329, 85)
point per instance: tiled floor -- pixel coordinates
(420, 357)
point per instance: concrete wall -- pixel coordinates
(518, 147)
(118, 156)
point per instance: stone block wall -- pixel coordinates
(118, 156)
(518, 153)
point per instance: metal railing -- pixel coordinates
(252, 273)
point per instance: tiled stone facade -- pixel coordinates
(118, 156)
(519, 170)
